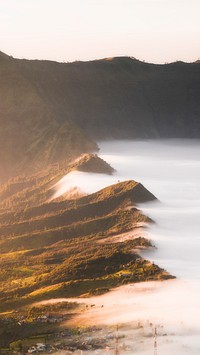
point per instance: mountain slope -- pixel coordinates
(31, 137)
(49, 223)
(69, 248)
(122, 97)
(52, 111)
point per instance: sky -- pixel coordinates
(156, 31)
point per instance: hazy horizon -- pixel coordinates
(156, 31)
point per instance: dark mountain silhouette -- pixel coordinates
(53, 111)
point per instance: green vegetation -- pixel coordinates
(65, 248)
(55, 249)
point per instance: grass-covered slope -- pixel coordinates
(65, 248)
(28, 191)
(46, 224)
(92, 163)
(61, 248)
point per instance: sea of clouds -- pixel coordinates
(170, 169)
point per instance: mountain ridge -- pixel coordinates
(4, 54)
(53, 111)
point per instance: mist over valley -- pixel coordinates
(99, 206)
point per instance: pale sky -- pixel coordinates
(156, 31)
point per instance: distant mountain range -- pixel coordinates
(53, 111)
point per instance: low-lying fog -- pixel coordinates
(171, 171)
